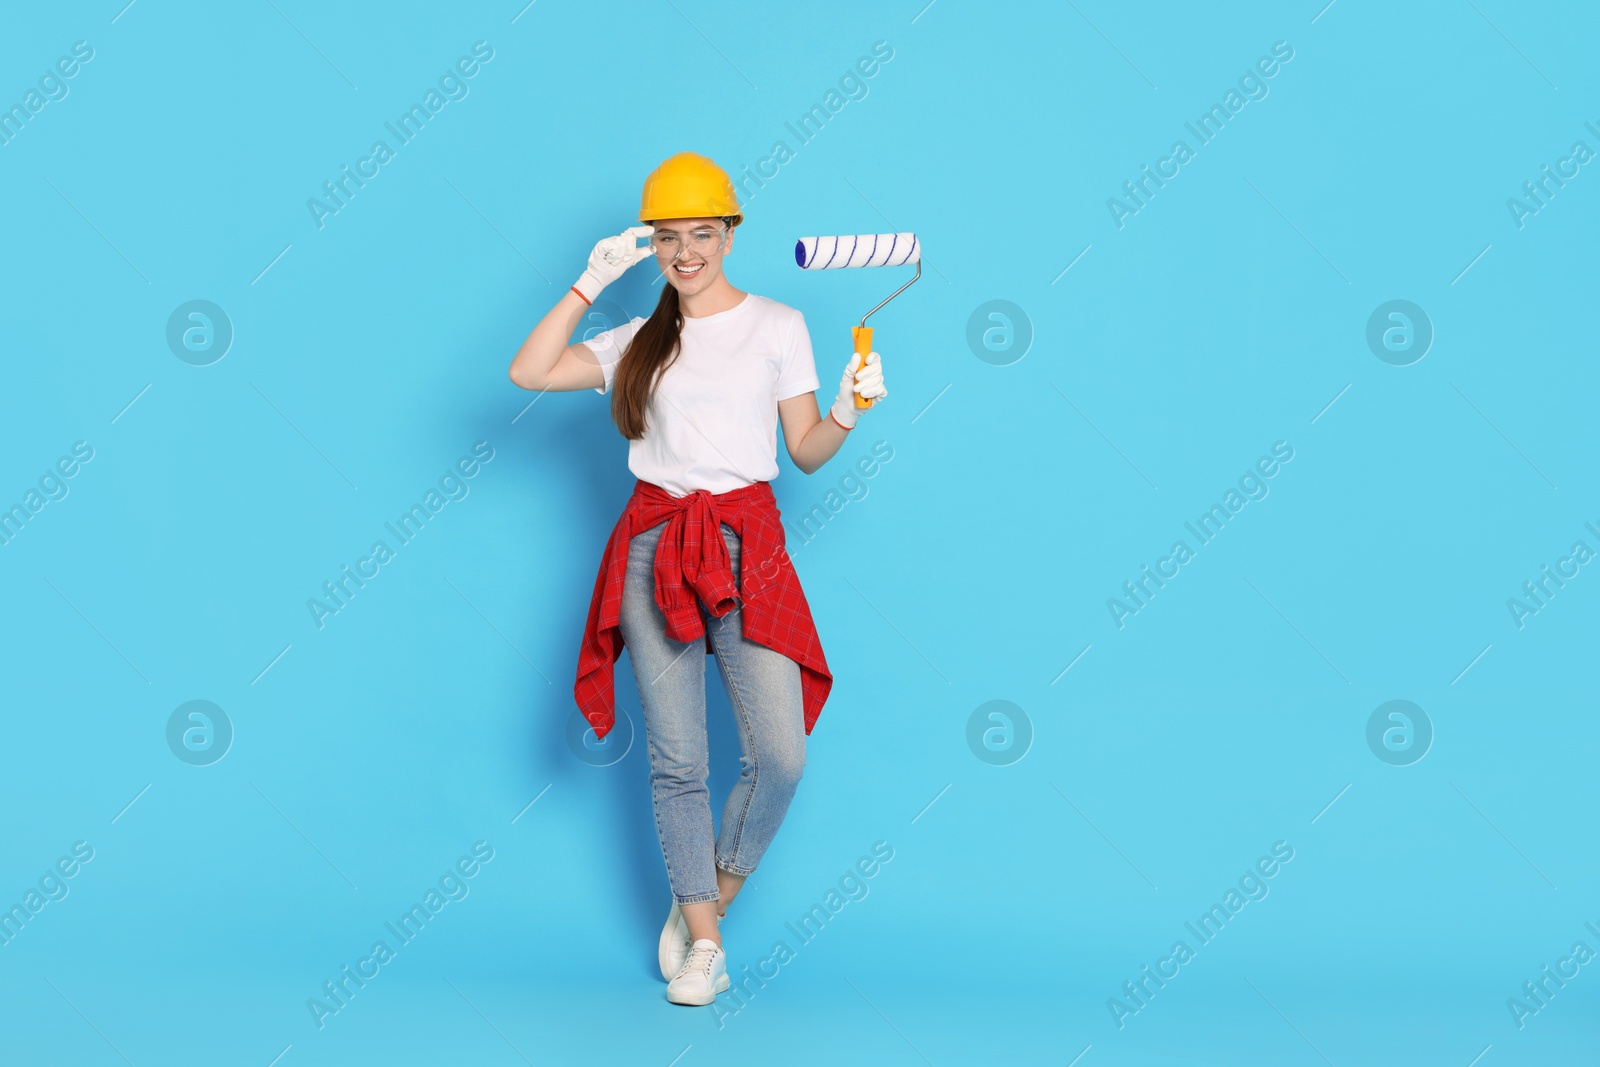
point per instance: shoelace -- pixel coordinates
(704, 955)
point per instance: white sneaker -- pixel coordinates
(704, 974)
(674, 943)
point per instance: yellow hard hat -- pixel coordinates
(689, 186)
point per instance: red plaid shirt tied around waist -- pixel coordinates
(692, 566)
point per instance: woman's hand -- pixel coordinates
(610, 258)
(858, 378)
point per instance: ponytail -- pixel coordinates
(653, 349)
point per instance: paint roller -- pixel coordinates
(861, 250)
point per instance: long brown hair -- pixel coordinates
(648, 355)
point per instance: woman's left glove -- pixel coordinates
(866, 379)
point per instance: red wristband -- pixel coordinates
(837, 423)
(585, 299)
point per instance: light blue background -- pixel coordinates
(432, 712)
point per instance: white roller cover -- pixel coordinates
(857, 250)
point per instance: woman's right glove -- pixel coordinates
(610, 258)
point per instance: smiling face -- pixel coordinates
(688, 269)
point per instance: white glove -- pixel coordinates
(869, 383)
(610, 258)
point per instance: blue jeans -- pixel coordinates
(764, 693)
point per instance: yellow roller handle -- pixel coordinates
(862, 335)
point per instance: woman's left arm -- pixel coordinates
(813, 438)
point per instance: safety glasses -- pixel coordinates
(669, 244)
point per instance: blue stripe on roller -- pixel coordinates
(913, 248)
(855, 239)
(893, 240)
(835, 251)
(874, 252)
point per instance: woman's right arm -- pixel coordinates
(546, 362)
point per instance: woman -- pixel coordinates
(698, 389)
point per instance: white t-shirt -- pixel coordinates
(712, 421)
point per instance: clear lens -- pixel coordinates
(670, 243)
